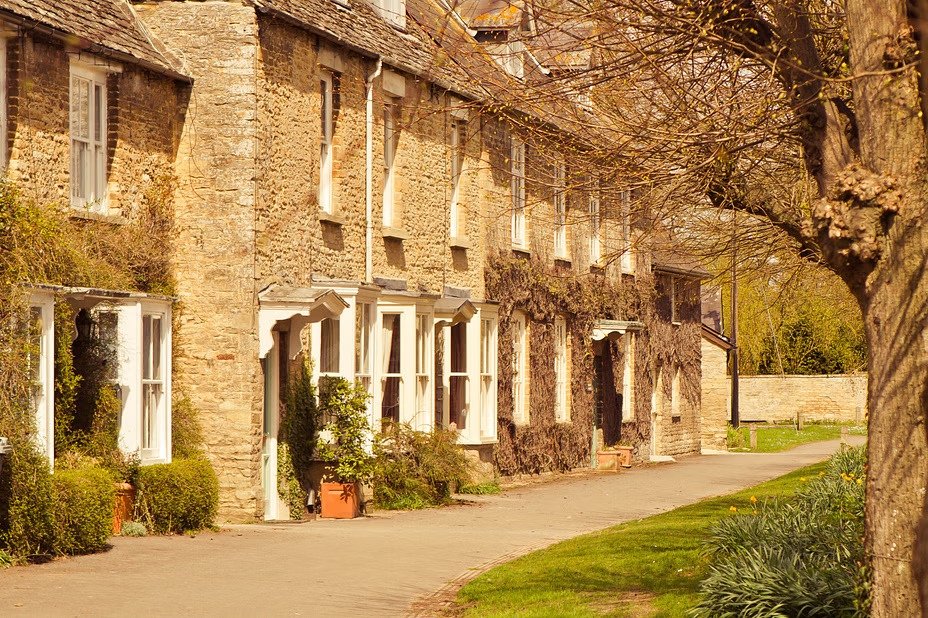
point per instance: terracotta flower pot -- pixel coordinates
(340, 500)
(613, 458)
(122, 509)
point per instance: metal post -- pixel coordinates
(735, 413)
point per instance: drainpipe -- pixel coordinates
(369, 181)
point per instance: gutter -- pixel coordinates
(369, 173)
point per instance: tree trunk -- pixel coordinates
(895, 296)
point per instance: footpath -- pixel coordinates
(387, 564)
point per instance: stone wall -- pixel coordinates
(841, 398)
(716, 388)
(144, 116)
(216, 348)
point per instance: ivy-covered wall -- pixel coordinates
(661, 348)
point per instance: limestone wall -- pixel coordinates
(217, 339)
(713, 429)
(840, 398)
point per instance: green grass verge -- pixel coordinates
(649, 567)
(774, 439)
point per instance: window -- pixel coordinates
(517, 171)
(519, 367)
(152, 383)
(625, 232)
(326, 93)
(423, 326)
(675, 293)
(595, 240)
(458, 379)
(88, 138)
(628, 412)
(394, 12)
(389, 166)
(362, 345)
(561, 411)
(392, 376)
(329, 341)
(487, 377)
(560, 211)
(458, 138)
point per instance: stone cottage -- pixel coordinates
(346, 191)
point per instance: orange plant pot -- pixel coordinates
(340, 500)
(122, 510)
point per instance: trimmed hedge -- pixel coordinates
(84, 501)
(177, 497)
(27, 504)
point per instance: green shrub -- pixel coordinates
(133, 528)
(349, 435)
(417, 469)
(798, 558)
(288, 484)
(84, 500)
(176, 497)
(27, 503)
(186, 432)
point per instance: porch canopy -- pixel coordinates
(613, 329)
(299, 305)
(450, 310)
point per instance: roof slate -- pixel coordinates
(108, 24)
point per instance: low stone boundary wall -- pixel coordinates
(840, 398)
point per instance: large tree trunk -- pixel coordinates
(895, 295)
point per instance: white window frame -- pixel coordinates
(519, 367)
(596, 247)
(88, 144)
(628, 372)
(458, 140)
(42, 306)
(424, 358)
(460, 377)
(561, 400)
(389, 165)
(327, 133)
(560, 211)
(153, 381)
(364, 312)
(488, 360)
(517, 188)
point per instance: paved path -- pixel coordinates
(375, 566)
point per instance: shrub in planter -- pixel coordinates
(27, 504)
(176, 497)
(84, 501)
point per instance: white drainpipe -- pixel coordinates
(369, 181)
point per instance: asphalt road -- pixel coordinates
(373, 566)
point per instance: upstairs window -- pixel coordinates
(327, 114)
(458, 137)
(560, 212)
(595, 238)
(389, 165)
(88, 138)
(394, 12)
(517, 172)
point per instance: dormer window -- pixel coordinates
(508, 53)
(393, 11)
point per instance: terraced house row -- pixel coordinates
(345, 187)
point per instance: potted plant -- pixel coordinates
(344, 442)
(611, 458)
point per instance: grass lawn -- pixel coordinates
(649, 567)
(783, 437)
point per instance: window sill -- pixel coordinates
(628, 421)
(597, 269)
(521, 251)
(395, 233)
(331, 218)
(460, 243)
(87, 215)
(563, 262)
